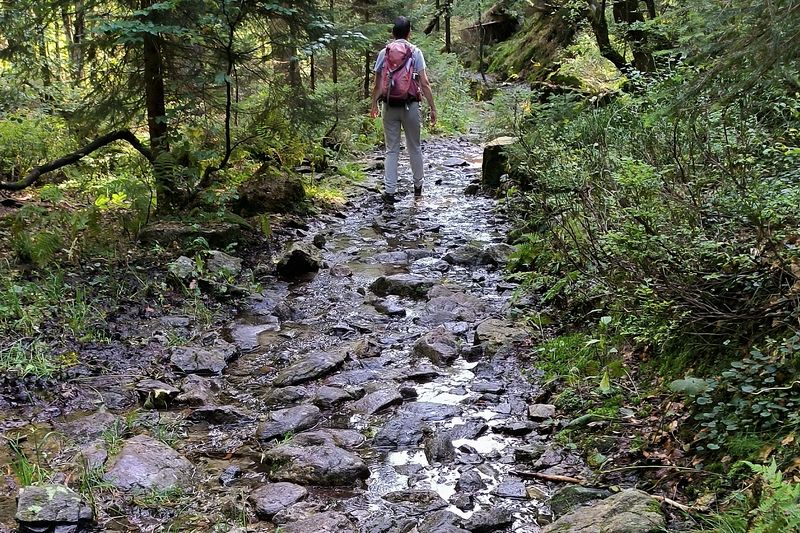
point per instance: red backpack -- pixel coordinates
(398, 79)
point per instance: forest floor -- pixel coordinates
(390, 391)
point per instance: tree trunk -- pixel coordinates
(334, 53)
(313, 74)
(596, 13)
(626, 13)
(438, 17)
(157, 126)
(480, 45)
(447, 9)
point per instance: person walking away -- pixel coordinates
(400, 77)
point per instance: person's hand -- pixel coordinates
(433, 117)
(374, 111)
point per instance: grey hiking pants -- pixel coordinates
(409, 119)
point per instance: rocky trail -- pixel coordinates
(384, 393)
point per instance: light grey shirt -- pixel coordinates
(416, 53)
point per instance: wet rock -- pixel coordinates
(438, 345)
(416, 502)
(405, 427)
(463, 502)
(377, 401)
(567, 498)
(274, 497)
(455, 306)
(529, 453)
(364, 348)
(319, 241)
(328, 397)
(421, 374)
(408, 393)
(441, 522)
(195, 359)
(269, 191)
(51, 508)
(301, 510)
(92, 456)
(486, 521)
(299, 259)
(470, 481)
(223, 264)
(221, 414)
(511, 488)
(291, 395)
(175, 321)
(155, 394)
(410, 285)
(325, 465)
(389, 308)
(230, 475)
(438, 446)
(329, 522)
(494, 333)
(196, 391)
(629, 511)
(429, 264)
(343, 438)
(455, 162)
(515, 428)
(500, 253)
(289, 421)
(88, 428)
(471, 429)
(245, 336)
(468, 255)
(146, 463)
(341, 271)
(381, 522)
(541, 411)
(495, 161)
(308, 368)
(165, 233)
(490, 387)
(390, 258)
(182, 269)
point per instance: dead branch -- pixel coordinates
(104, 140)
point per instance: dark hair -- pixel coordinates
(402, 28)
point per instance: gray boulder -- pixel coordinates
(569, 497)
(274, 497)
(289, 421)
(495, 161)
(146, 463)
(308, 368)
(269, 191)
(51, 507)
(299, 259)
(325, 465)
(165, 233)
(629, 511)
(410, 285)
(328, 522)
(196, 359)
(377, 401)
(494, 333)
(182, 269)
(223, 264)
(486, 521)
(439, 346)
(469, 255)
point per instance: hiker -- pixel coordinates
(400, 77)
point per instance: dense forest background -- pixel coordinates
(654, 179)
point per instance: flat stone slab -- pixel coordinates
(324, 465)
(629, 511)
(146, 463)
(494, 333)
(275, 497)
(308, 368)
(51, 507)
(289, 421)
(377, 401)
(192, 359)
(541, 411)
(329, 522)
(409, 285)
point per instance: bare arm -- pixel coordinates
(376, 93)
(425, 85)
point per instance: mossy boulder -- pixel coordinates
(269, 191)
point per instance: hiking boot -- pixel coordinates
(417, 191)
(388, 198)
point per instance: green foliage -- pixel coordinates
(28, 466)
(27, 139)
(773, 505)
(757, 395)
